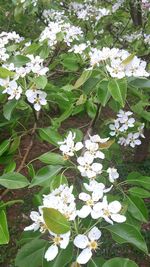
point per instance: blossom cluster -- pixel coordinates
(58, 30)
(115, 61)
(5, 39)
(92, 200)
(88, 11)
(122, 128)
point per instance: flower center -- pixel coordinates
(93, 245)
(57, 240)
(106, 213)
(90, 202)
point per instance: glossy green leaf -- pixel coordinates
(8, 109)
(139, 192)
(55, 221)
(137, 179)
(19, 60)
(57, 181)
(13, 180)
(83, 78)
(52, 158)
(96, 262)
(103, 94)
(137, 208)
(4, 233)
(126, 233)
(31, 254)
(50, 135)
(119, 262)
(118, 90)
(44, 176)
(4, 73)
(40, 82)
(4, 146)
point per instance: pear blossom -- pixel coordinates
(128, 124)
(88, 243)
(93, 150)
(109, 211)
(97, 139)
(115, 128)
(113, 174)
(87, 168)
(133, 139)
(141, 130)
(38, 220)
(68, 146)
(13, 90)
(37, 98)
(97, 190)
(61, 241)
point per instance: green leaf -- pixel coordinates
(19, 60)
(137, 208)
(139, 192)
(40, 81)
(96, 262)
(4, 73)
(32, 48)
(55, 221)
(4, 146)
(103, 94)
(8, 109)
(70, 61)
(14, 145)
(10, 167)
(50, 135)
(4, 233)
(64, 256)
(52, 158)
(13, 180)
(118, 90)
(45, 175)
(31, 254)
(127, 233)
(137, 179)
(57, 181)
(119, 262)
(140, 83)
(127, 61)
(18, 13)
(83, 78)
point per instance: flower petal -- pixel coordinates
(51, 253)
(84, 211)
(94, 234)
(81, 241)
(118, 218)
(114, 206)
(84, 256)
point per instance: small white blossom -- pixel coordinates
(113, 174)
(88, 244)
(38, 220)
(88, 168)
(68, 146)
(133, 139)
(37, 98)
(61, 241)
(109, 211)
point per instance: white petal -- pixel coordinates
(83, 196)
(84, 211)
(78, 146)
(99, 155)
(37, 107)
(84, 256)
(97, 167)
(114, 206)
(51, 253)
(34, 215)
(32, 227)
(94, 234)
(81, 241)
(118, 218)
(64, 243)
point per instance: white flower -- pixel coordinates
(88, 244)
(115, 128)
(141, 130)
(113, 174)
(133, 139)
(61, 241)
(97, 139)
(37, 218)
(109, 211)
(93, 150)
(37, 98)
(97, 189)
(123, 115)
(128, 124)
(78, 49)
(68, 147)
(122, 141)
(87, 167)
(13, 90)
